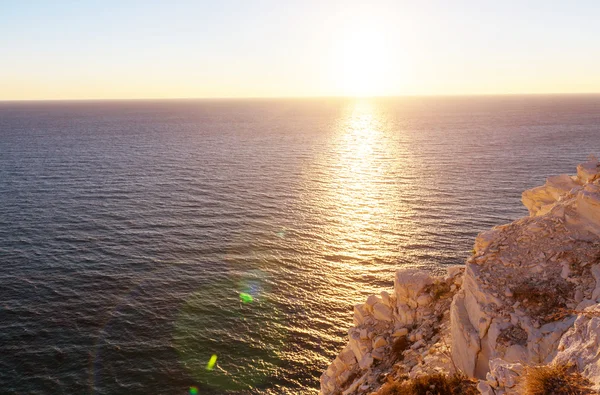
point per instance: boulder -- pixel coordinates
(379, 341)
(382, 312)
(400, 332)
(408, 283)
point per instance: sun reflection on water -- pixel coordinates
(363, 183)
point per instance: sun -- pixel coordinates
(362, 62)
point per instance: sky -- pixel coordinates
(108, 49)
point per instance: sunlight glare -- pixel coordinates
(362, 62)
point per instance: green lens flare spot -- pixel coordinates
(246, 298)
(193, 390)
(211, 362)
(197, 334)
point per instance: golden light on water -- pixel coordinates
(359, 192)
(365, 163)
(351, 222)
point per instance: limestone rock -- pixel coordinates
(354, 386)
(360, 314)
(400, 332)
(589, 171)
(465, 341)
(366, 361)
(382, 312)
(503, 378)
(588, 205)
(581, 345)
(408, 283)
(372, 301)
(359, 347)
(378, 354)
(379, 342)
(535, 199)
(385, 299)
(525, 272)
(485, 389)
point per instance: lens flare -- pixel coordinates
(246, 312)
(211, 362)
(246, 298)
(251, 286)
(193, 390)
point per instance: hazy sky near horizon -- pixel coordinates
(172, 49)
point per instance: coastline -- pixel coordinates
(528, 296)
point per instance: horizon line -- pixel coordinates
(303, 97)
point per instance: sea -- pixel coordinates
(219, 246)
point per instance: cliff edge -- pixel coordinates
(528, 296)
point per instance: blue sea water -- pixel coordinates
(129, 229)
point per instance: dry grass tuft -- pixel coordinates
(432, 384)
(554, 380)
(393, 388)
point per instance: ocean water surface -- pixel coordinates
(140, 238)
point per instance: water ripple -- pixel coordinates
(129, 229)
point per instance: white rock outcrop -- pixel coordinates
(580, 345)
(396, 332)
(529, 294)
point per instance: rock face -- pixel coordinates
(526, 296)
(402, 332)
(579, 345)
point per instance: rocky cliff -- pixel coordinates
(528, 296)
